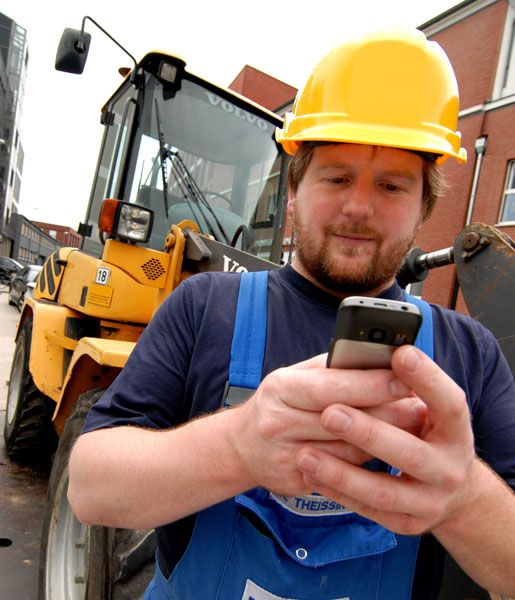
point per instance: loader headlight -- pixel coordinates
(126, 221)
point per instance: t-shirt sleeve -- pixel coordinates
(494, 415)
(469, 353)
(148, 392)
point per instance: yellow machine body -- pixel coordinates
(88, 314)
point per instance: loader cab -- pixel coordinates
(189, 150)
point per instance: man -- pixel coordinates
(289, 495)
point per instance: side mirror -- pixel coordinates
(72, 51)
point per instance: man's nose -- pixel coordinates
(358, 200)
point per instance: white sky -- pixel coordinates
(60, 127)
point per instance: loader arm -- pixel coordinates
(485, 267)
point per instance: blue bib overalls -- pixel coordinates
(260, 546)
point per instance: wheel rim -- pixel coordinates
(67, 550)
(15, 385)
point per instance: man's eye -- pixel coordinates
(391, 187)
(338, 180)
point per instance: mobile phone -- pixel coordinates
(368, 330)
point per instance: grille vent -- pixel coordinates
(153, 269)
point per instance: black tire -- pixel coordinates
(29, 433)
(80, 562)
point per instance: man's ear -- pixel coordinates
(291, 203)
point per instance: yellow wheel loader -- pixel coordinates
(189, 178)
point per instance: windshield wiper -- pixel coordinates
(192, 192)
(162, 156)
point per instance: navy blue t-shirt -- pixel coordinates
(180, 366)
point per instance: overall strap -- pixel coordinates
(424, 339)
(249, 338)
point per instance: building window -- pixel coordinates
(504, 84)
(508, 200)
(508, 83)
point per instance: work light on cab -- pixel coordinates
(126, 221)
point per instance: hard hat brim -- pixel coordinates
(423, 139)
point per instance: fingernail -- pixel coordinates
(419, 412)
(411, 360)
(338, 421)
(310, 464)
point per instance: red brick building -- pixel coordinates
(478, 37)
(262, 88)
(66, 235)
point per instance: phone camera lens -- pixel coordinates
(377, 335)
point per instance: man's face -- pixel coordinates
(355, 213)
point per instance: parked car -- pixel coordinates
(23, 284)
(8, 267)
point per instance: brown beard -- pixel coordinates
(324, 267)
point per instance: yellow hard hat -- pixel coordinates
(388, 88)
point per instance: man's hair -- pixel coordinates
(433, 180)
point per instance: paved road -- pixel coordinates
(22, 491)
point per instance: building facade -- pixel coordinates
(478, 37)
(262, 88)
(13, 66)
(19, 237)
(63, 234)
(30, 244)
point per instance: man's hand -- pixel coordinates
(220, 455)
(286, 414)
(435, 466)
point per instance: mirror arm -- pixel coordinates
(81, 46)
